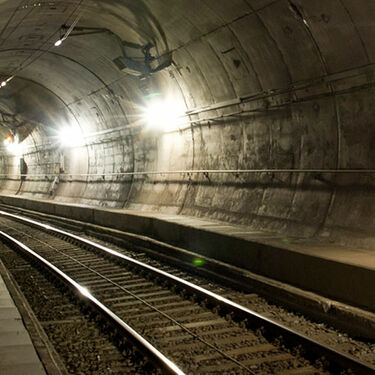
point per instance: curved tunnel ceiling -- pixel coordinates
(267, 85)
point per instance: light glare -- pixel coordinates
(69, 137)
(164, 114)
(5, 82)
(8, 140)
(84, 291)
(15, 148)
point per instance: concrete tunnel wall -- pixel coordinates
(294, 86)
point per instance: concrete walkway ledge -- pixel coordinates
(17, 353)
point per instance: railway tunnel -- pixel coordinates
(239, 132)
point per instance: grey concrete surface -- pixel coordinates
(292, 82)
(17, 353)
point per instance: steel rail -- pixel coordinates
(337, 360)
(143, 345)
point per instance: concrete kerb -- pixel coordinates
(122, 221)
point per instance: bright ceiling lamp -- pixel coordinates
(15, 148)
(5, 81)
(60, 41)
(164, 114)
(9, 139)
(70, 137)
(12, 145)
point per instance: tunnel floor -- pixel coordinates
(338, 280)
(42, 293)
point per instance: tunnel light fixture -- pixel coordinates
(65, 136)
(5, 81)
(62, 38)
(15, 148)
(70, 137)
(164, 114)
(9, 139)
(12, 145)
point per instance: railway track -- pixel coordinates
(179, 326)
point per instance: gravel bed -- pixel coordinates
(363, 350)
(83, 347)
(193, 317)
(341, 341)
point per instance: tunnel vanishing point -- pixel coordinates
(243, 130)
